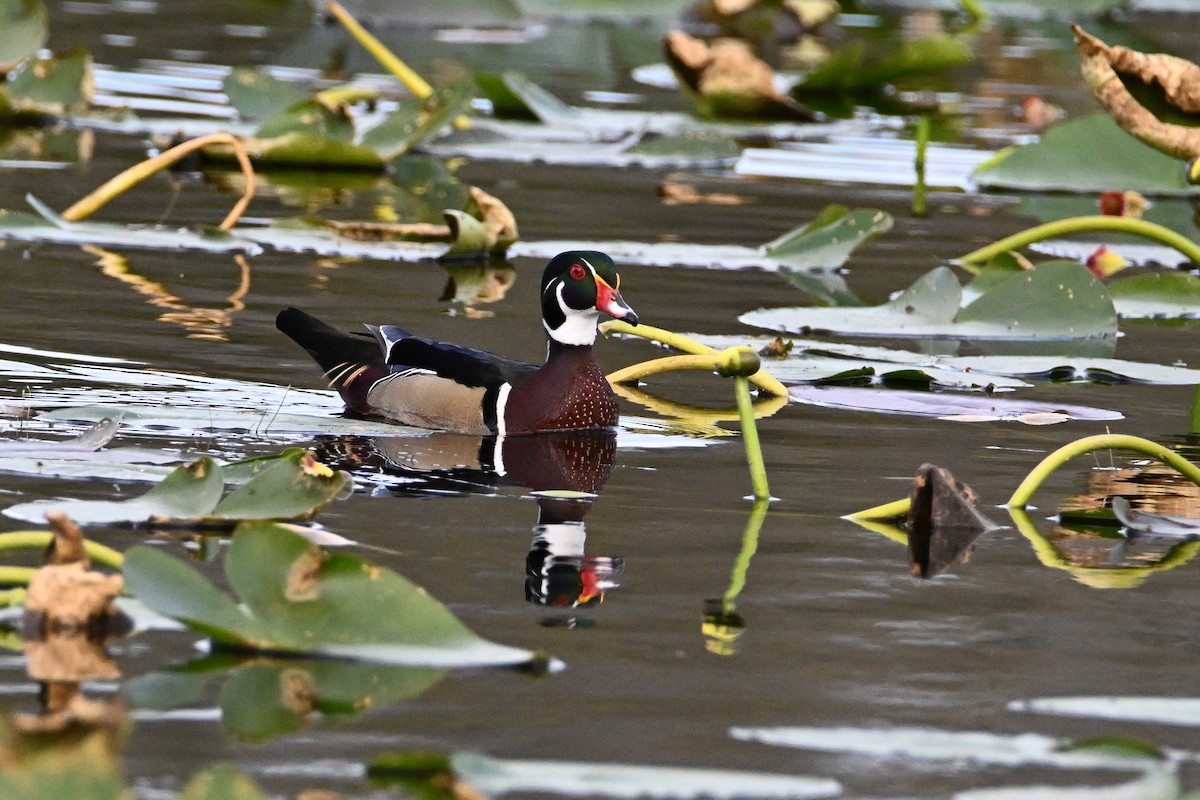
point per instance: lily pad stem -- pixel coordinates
(126, 180)
(1063, 227)
(754, 456)
(386, 58)
(764, 380)
(1037, 476)
(22, 540)
(1105, 441)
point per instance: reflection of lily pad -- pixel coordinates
(1090, 154)
(296, 599)
(494, 777)
(265, 699)
(1058, 300)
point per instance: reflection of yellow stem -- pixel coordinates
(1099, 577)
(16, 576)
(762, 379)
(1020, 498)
(704, 418)
(389, 60)
(1062, 227)
(12, 597)
(741, 565)
(885, 529)
(139, 172)
(18, 540)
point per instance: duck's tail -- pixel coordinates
(352, 363)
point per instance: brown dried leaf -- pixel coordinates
(1179, 80)
(498, 221)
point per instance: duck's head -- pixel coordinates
(576, 287)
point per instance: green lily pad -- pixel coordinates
(1159, 294)
(222, 782)
(295, 598)
(830, 238)
(52, 86)
(1058, 300)
(852, 69)
(1184, 711)
(514, 96)
(494, 777)
(258, 95)
(25, 30)
(417, 120)
(1090, 155)
(289, 486)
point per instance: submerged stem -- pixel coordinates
(1062, 227)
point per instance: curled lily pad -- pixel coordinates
(830, 238)
(297, 599)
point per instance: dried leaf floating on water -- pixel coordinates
(1104, 66)
(942, 521)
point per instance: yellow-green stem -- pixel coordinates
(1105, 441)
(12, 597)
(1063, 227)
(16, 576)
(40, 540)
(741, 566)
(754, 456)
(919, 205)
(387, 59)
(764, 380)
(896, 508)
(119, 184)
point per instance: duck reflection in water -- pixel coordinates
(564, 470)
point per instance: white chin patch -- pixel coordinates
(579, 327)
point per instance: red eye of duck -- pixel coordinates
(577, 272)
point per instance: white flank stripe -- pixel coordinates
(501, 402)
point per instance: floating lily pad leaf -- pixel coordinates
(700, 146)
(976, 747)
(1163, 710)
(90, 440)
(1156, 295)
(257, 95)
(1062, 299)
(514, 96)
(294, 486)
(25, 28)
(222, 782)
(494, 777)
(312, 118)
(417, 120)
(1090, 155)
(52, 86)
(51, 228)
(855, 158)
(187, 493)
(947, 405)
(851, 68)
(1058, 300)
(1138, 255)
(828, 240)
(297, 599)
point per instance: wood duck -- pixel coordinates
(429, 384)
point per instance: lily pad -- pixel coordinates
(257, 95)
(292, 485)
(1183, 711)
(1090, 154)
(495, 776)
(1058, 300)
(26, 29)
(947, 405)
(852, 69)
(52, 86)
(828, 240)
(1157, 295)
(296, 599)
(267, 698)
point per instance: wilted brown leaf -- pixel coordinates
(1103, 65)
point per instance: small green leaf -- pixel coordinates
(53, 86)
(1059, 299)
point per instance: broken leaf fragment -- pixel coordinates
(942, 521)
(341, 606)
(1117, 73)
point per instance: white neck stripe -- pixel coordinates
(578, 328)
